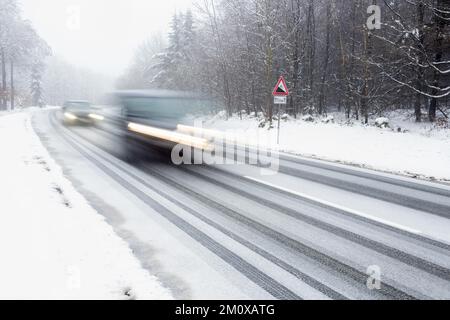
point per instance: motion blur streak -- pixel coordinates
(199, 131)
(229, 137)
(170, 136)
(96, 117)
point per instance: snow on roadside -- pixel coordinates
(422, 151)
(53, 245)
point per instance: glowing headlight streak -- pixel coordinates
(96, 117)
(70, 116)
(211, 134)
(176, 137)
(198, 131)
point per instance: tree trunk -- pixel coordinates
(12, 83)
(295, 7)
(311, 53)
(419, 69)
(350, 70)
(365, 89)
(322, 109)
(269, 57)
(439, 26)
(367, 72)
(3, 97)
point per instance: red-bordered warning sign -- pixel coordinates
(281, 88)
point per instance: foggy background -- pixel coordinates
(108, 31)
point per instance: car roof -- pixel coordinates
(155, 94)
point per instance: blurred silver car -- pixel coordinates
(153, 118)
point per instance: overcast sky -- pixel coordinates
(105, 33)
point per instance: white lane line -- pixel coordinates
(324, 202)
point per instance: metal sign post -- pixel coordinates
(279, 124)
(280, 94)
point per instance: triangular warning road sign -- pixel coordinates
(281, 88)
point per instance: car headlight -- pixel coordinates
(70, 116)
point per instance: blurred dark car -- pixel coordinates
(152, 118)
(80, 112)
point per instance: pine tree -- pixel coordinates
(36, 84)
(176, 66)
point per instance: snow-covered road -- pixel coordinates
(53, 245)
(314, 230)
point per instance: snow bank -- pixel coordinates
(53, 245)
(420, 151)
(382, 122)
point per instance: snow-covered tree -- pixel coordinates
(142, 70)
(36, 85)
(176, 64)
(8, 14)
(331, 57)
(21, 49)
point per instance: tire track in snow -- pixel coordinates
(255, 275)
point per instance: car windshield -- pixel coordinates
(163, 108)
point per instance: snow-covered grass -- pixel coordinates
(53, 245)
(421, 150)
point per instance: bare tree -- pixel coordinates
(323, 48)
